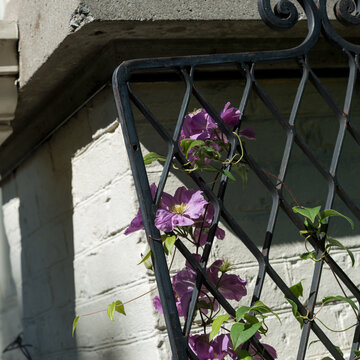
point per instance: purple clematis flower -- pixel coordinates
(158, 306)
(231, 286)
(202, 227)
(200, 345)
(182, 209)
(217, 348)
(248, 133)
(183, 284)
(198, 126)
(137, 223)
(230, 116)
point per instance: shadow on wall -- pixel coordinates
(39, 203)
(39, 195)
(42, 189)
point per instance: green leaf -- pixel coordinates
(119, 307)
(145, 257)
(151, 157)
(243, 355)
(111, 310)
(308, 255)
(313, 342)
(241, 333)
(309, 213)
(188, 144)
(295, 312)
(330, 212)
(327, 358)
(338, 244)
(297, 289)
(253, 320)
(211, 152)
(169, 243)
(339, 350)
(339, 298)
(259, 306)
(241, 311)
(228, 174)
(74, 324)
(216, 325)
(356, 352)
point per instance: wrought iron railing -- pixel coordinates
(283, 17)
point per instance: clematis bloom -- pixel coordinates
(182, 209)
(137, 223)
(231, 286)
(202, 227)
(218, 348)
(199, 125)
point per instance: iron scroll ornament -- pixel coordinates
(284, 16)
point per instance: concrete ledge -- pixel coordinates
(69, 50)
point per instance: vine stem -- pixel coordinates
(341, 287)
(285, 186)
(140, 296)
(137, 297)
(337, 331)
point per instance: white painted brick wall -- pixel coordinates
(65, 211)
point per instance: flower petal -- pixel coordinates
(232, 287)
(196, 205)
(163, 220)
(248, 133)
(181, 220)
(157, 304)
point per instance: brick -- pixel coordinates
(37, 296)
(136, 325)
(98, 165)
(61, 279)
(48, 246)
(136, 350)
(112, 264)
(53, 330)
(73, 137)
(104, 215)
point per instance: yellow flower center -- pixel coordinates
(196, 111)
(179, 208)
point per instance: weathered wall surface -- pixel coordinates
(66, 208)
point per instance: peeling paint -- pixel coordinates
(81, 16)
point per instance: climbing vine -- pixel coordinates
(187, 215)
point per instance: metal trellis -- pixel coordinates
(282, 17)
